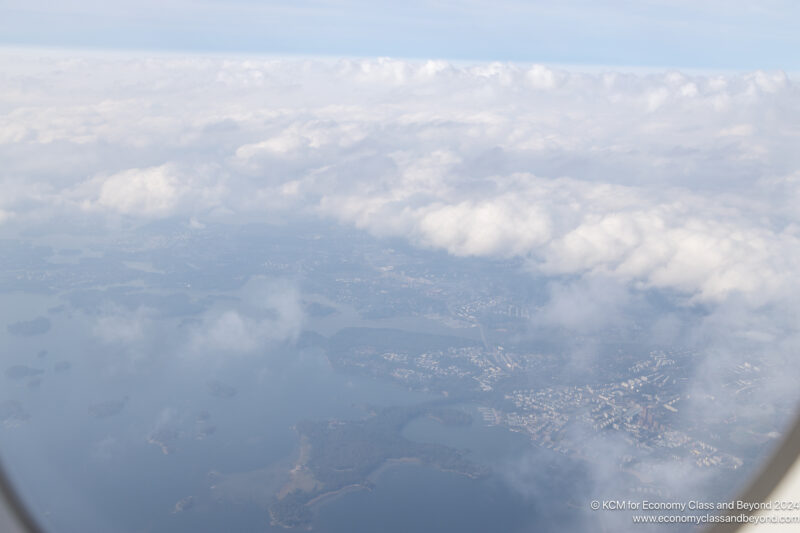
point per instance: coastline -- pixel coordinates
(375, 475)
(333, 494)
(337, 457)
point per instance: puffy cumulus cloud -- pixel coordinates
(671, 247)
(483, 228)
(135, 339)
(587, 306)
(305, 136)
(152, 192)
(230, 332)
(149, 191)
(269, 311)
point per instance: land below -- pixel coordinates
(335, 457)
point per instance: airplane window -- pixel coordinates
(431, 267)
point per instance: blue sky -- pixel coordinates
(651, 33)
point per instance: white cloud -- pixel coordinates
(670, 181)
(270, 311)
(229, 332)
(266, 312)
(148, 192)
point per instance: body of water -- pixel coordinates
(81, 472)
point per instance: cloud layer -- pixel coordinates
(669, 181)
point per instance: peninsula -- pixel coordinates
(337, 456)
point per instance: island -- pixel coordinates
(338, 456)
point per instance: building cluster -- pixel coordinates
(638, 407)
(642, 407)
